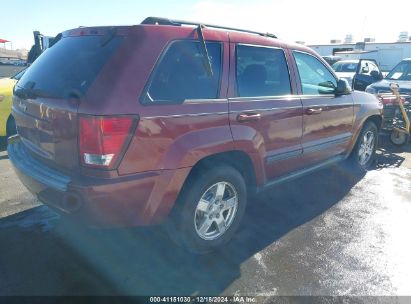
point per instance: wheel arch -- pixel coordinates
(239, 160)
(376, 119)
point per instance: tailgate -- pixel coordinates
(47, 97)
(49, 128)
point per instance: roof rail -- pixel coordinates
(166, 21)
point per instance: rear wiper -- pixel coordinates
(30, 93)
(21, 92)
(207, 60)
(26, 91)
(73, 93)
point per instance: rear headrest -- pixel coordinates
(255, 73)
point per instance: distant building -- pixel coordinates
(369, 39)
(13, 54)
(387, 55)
(348, 38)
(403, 37)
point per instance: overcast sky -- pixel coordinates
(314, 22)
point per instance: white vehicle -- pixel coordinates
(346, 69)
(359, 73)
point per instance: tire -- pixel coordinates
(398, 138)
(192, 216)
(11, 126)
(365, 159)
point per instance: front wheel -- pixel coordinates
(363, 154)
(211, 209)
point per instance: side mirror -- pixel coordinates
(376, 75)
(343, 88)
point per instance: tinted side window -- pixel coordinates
(182, 74)
(262, 72)
(315, 77)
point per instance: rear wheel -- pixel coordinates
(363, 154)
(210, 210)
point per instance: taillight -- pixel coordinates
(103, 139)
(391, 100)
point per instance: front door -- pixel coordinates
(367, 73)
(327, 118)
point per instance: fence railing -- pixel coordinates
(12, 54)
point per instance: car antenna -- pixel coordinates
(207, 60)
(55, 40)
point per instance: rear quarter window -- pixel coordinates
(70, 66)
(181, 74)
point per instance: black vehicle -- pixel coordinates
(400, 74)
(359, 73)
(367, 73)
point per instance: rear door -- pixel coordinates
(265, 116)
(367, 73)
(47, 96)
(327, 118)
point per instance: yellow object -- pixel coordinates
(6, 93)
(396, 90)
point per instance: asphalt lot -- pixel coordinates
(9, 70)
(335, 232)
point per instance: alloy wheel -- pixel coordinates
(367, 146)
(215, 211)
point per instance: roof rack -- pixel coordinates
(166, 21)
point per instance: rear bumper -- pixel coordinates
(132, 200)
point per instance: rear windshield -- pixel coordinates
(70, 66)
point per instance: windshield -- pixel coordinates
(70, 66)
(345, 67)
(401, 72)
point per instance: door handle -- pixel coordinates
(312, 111)
(243, 117)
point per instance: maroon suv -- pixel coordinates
(181, 121)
